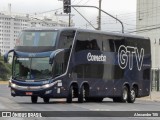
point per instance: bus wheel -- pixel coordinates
(46, 100)
(70, 95)
(82, 94)
(124, 95)
(131, 96)
(34, 99)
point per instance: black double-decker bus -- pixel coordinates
(76, 63)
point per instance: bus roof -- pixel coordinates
(86, 30)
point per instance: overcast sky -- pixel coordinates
(124, 9)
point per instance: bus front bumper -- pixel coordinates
(47, 90)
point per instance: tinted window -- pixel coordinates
(88, 41)
(26, 39)
(66, 39)
(47, 38)
(82, 42)
(89, 70)
(101, 71)
(118, 41)
(37, 38)
(96, 41)
(105, 43)
(112, 45)
(146, 74)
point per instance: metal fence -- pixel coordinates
(155, 79)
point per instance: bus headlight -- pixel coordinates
(46, 86)
(13, 85)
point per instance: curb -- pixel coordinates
(3, 82)
(154, 97)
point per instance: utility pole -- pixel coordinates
(99, 15)
(101, 11)
(69, 20)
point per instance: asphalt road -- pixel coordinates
(9, 103)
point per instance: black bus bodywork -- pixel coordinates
(84, 64)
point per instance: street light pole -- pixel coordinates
(99, 16)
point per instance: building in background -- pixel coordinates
(12, 23)
(10, 26)
(148, 24)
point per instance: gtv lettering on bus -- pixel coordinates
(100, 58)
(125, 55)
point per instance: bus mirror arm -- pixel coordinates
(54, 54)
(6, 55)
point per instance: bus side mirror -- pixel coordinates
(6, 55)
(54, 54)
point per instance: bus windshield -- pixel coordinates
(31, 68)
(37, 38)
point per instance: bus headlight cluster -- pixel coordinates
(49, 85)
(46, 86)
(13, 85)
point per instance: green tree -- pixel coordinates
(5, 69)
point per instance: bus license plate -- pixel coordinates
(29, 93)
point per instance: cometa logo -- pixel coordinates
(100, 58)
(125, 57)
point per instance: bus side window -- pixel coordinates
(118, 42)
(112, 45)
(115, 43)
(82, 42)
(88, 41)
(66, 39)
(105, 44)
(95, 41)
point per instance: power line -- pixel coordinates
(129, 16)
(79, 2)
(149, 29)
(49, 11)
(86, 2)
(73, 1)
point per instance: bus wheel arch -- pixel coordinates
(135, 86)
(125, 91)
(133, 94)
(72, 92)
(83, 92)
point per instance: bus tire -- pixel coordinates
(132, 96)
(70, 95)
(34, 99)
(46, 100)
(124, 95)
(82, 94)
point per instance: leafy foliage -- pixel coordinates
(5, 69)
